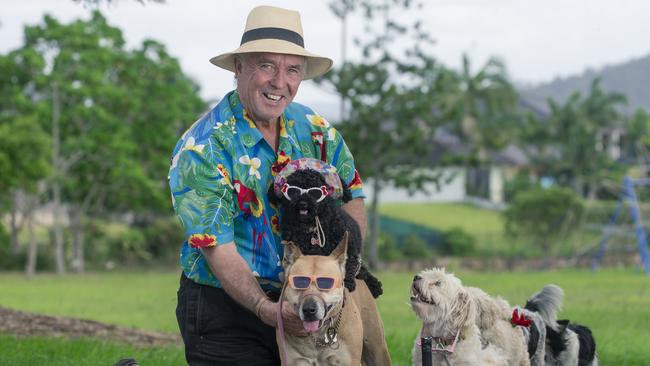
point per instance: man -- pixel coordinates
(221, 170)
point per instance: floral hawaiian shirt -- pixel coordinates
(220, 174)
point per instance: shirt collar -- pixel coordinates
(251, 136)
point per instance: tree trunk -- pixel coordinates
(32, 251)
(59, 254)
(78, 261)
(13, 223)
(373, 257)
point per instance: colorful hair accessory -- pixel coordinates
(328, 171)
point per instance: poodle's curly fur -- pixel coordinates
(298, 225)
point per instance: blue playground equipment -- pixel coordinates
(629, 197)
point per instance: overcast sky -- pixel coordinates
(538, 40)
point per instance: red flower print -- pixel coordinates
(202, 240)
(280, 163)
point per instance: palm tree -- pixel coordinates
(480, 106)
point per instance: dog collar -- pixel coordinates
(440, 344)
(328, 172)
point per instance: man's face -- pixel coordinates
(267, 83)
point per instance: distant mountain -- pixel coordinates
(631, 79)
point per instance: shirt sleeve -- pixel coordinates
(204, 198)
(341, 157)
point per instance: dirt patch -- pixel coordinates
(26, 324)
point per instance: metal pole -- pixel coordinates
(639, 230)
(427, 359)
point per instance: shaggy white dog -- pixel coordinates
(449, 313)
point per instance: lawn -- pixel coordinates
(486, 227)
(614, 303)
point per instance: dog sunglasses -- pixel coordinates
(293, 192)
(323, 283)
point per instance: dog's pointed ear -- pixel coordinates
(291, 253)
(340, 252)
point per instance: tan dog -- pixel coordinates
(329, 313)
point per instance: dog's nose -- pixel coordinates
(310, 308)
(416, 278)
(303, 205)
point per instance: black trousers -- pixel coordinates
(217, 330)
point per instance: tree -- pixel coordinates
(391, 96)
(113, 113)
(24, 146)
(574, 157)
(479, 108)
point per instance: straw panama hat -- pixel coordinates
(274, 30)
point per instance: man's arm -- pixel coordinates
(238, 281)
(357, 210)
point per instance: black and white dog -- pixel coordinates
(570, 344)
(312, 219)
(541, 309)
(557, 342)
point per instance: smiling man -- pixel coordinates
(220, 172)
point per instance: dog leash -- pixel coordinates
(320, 234)
(283, 349)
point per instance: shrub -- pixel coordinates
(164, 237)
(387, 248)
(415, 248)
(544, 215)
(521, 182)
(457, 242)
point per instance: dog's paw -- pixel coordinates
(350, 284)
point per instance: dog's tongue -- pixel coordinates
(311, 327)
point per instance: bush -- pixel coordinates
(521, 182)
(457, 242)
(415, 248)
(387, 248)
(156, 241)
(164, 237)
(543, 215)
(16, 261)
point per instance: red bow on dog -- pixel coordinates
(520, 319)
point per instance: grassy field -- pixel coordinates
(485, 226)
(615, 304)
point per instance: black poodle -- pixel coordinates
(312, 219)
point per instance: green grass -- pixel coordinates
(485, 226)
(80, 352)
(444, 216)
(615, 304)
(141, 300)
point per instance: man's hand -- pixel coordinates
(291, 321)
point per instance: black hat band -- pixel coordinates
(272, 33)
